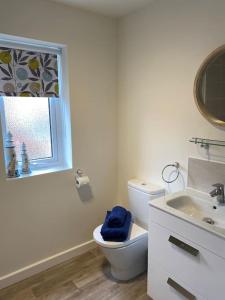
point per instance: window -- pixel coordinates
(29, 121)
(42, 122)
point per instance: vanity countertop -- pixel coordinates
(194, 207)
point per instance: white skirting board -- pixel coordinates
(44, 264)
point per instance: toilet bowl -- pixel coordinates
(128, 259)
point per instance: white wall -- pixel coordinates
(160, 50)
(43, 215)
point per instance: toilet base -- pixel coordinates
(130, 261)
(128, 274)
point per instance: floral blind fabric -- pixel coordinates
(28, 74)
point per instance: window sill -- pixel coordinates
(41, 172)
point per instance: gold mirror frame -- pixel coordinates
(197, 87)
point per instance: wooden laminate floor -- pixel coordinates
(85, 277)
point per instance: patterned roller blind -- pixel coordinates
(28, 74)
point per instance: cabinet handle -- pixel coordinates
(191, 250)
(180, 289)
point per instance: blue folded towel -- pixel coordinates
(117, 234)
(117, 217)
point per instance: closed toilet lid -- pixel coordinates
(136, 232)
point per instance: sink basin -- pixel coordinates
(196, 207)
(190, 205)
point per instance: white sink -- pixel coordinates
(195, 207)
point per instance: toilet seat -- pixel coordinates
(136, 233)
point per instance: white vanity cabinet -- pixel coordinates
(185, 261)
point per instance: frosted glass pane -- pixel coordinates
(29, 122)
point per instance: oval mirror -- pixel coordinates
(209, 87)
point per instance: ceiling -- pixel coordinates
(114, 8)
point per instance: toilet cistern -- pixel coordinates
(218, 192)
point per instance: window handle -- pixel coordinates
(191, 250)
(180, 289)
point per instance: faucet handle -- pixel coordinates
(218, 185)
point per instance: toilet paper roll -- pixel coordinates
(82, 180)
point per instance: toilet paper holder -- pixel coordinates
(81, 179)
(79, 173)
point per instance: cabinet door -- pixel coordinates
(206, 239)
(162, 285)
(201, 269)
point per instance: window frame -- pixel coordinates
(59, 109)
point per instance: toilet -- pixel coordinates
(129, 258)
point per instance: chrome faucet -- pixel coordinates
(218, 192)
